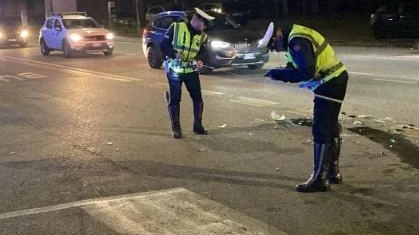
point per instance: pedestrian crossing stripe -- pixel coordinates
(172, 211)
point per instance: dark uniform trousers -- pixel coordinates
(325, 113)
(326, 130)
(192, 83)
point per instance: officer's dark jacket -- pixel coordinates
(166, 46)
(301, 51)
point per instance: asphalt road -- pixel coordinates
(86, 149)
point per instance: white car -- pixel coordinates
(74, 32)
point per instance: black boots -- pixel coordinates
(174, 113)
(334, 172)
(318, 181)
(197, 124)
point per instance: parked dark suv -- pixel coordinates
(395, 19)
(230, 44)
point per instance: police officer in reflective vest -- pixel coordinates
(313, 64)
(185, 43)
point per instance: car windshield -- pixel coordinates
(222, 22)
(80, 23)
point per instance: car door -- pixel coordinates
(57, 35)
(392, 17)
(47, 32)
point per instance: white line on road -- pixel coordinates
(359, 73)
(64, 206)
(397, 81)
(72, 69)
(214, 93)
(253, 102)
(172, 211)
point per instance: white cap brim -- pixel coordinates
(203, 14)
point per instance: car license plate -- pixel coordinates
(12, 40)
(249, 56)
(97, 44)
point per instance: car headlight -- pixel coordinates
(1, 35)
(220, 44)
(109, 36)
(75, 37)
(24, 33)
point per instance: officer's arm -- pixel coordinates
(301, 51)
(166, 47)
(204, 49)
(302, 54)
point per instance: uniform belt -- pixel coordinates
(331, 70)
(182, 64)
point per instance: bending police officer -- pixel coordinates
(313, 63)
(183, 44)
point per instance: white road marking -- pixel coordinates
(214, 93)
(72, 69)
(397, 81)
(173, 211)
(388, 80)
(31, 75)
(8, 77)
(359, 73)
(253, 102)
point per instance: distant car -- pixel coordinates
(152, 12)
(395, 19)
(230, 44)
(73, 33)
(13, 32)
(214, 7)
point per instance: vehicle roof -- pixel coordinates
(186, 13)
(183, 13)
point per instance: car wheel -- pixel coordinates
(255, 66)
(44, 48)
(108, 52)
(67, 49)
(154, 58)
(378, 30)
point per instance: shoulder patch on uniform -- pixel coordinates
(297, 47)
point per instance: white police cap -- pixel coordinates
(203, 14)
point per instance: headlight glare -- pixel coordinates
(24, 33)
(75, 37)
(109, 36)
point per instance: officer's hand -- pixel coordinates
(178, 56)
(199, 64)
(275, 74)
(310, 84)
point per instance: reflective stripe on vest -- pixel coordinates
(327, 65)
(187, 47)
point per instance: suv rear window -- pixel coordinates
(165, 22)
(80, 23)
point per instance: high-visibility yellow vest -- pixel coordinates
(327, 64)
(185, 45)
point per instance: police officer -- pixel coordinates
(183, 44)
(313, 64)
